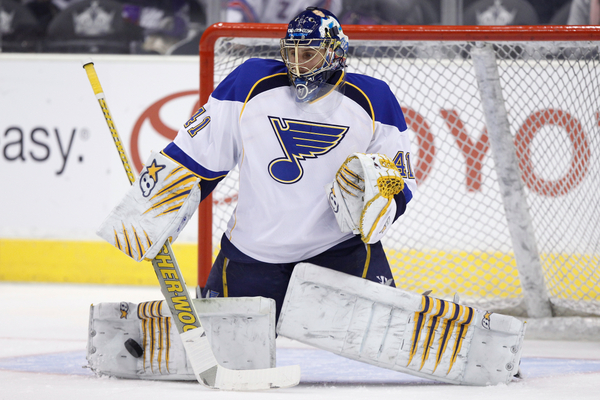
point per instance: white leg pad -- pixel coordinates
(241, 333)
(399, 330)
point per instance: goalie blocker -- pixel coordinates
(157, 207)
(398, 330)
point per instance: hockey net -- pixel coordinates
(465, 232)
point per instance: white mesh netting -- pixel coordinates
(454, 236)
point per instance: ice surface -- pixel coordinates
(43, 332)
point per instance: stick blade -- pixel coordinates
(257, 379)
(210, 374)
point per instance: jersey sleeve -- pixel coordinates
(390, 132)
(209, 143)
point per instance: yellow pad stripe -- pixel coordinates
(186, 179)
(127, 243)
(160, 343)
(178, 197)
(148, 241)
(144, 338)
(348, 182)
(174, 172)
(419, 323)
(167, 322)
(433, 324)
(462, 330)
(152, 341)
(138, 242)
(447, 329)
(170, 210)
(374, 226)
(341, 185)
(117, 241)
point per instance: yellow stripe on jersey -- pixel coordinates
(332, 88)
(196, 174)
(368, 100)
(367, 260)
(254, 86)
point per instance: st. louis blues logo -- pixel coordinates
(300, 140)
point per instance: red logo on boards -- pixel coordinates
(152, 115)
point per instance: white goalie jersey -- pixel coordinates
(288, 153)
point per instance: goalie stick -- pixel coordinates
(206, 368)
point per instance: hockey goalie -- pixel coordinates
(332, 310)
(324, 161)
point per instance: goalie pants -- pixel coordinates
(235, 274)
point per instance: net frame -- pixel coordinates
(382, 34)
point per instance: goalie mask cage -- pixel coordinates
(504, 123)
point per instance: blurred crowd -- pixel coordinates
(175, 26)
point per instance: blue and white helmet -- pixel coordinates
(316, 36)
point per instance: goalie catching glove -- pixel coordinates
(362, 195)
(157, 207)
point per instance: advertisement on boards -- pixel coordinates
(57, 155)
(59, 168)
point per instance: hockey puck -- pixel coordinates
(134, 348)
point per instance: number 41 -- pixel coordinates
(402, 161)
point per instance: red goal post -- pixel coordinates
(488, 108)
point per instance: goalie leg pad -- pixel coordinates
(241, 333)
(399, 330)
(157, 207)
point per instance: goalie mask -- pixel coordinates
(314, 51)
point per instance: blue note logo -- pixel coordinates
(301, 140)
